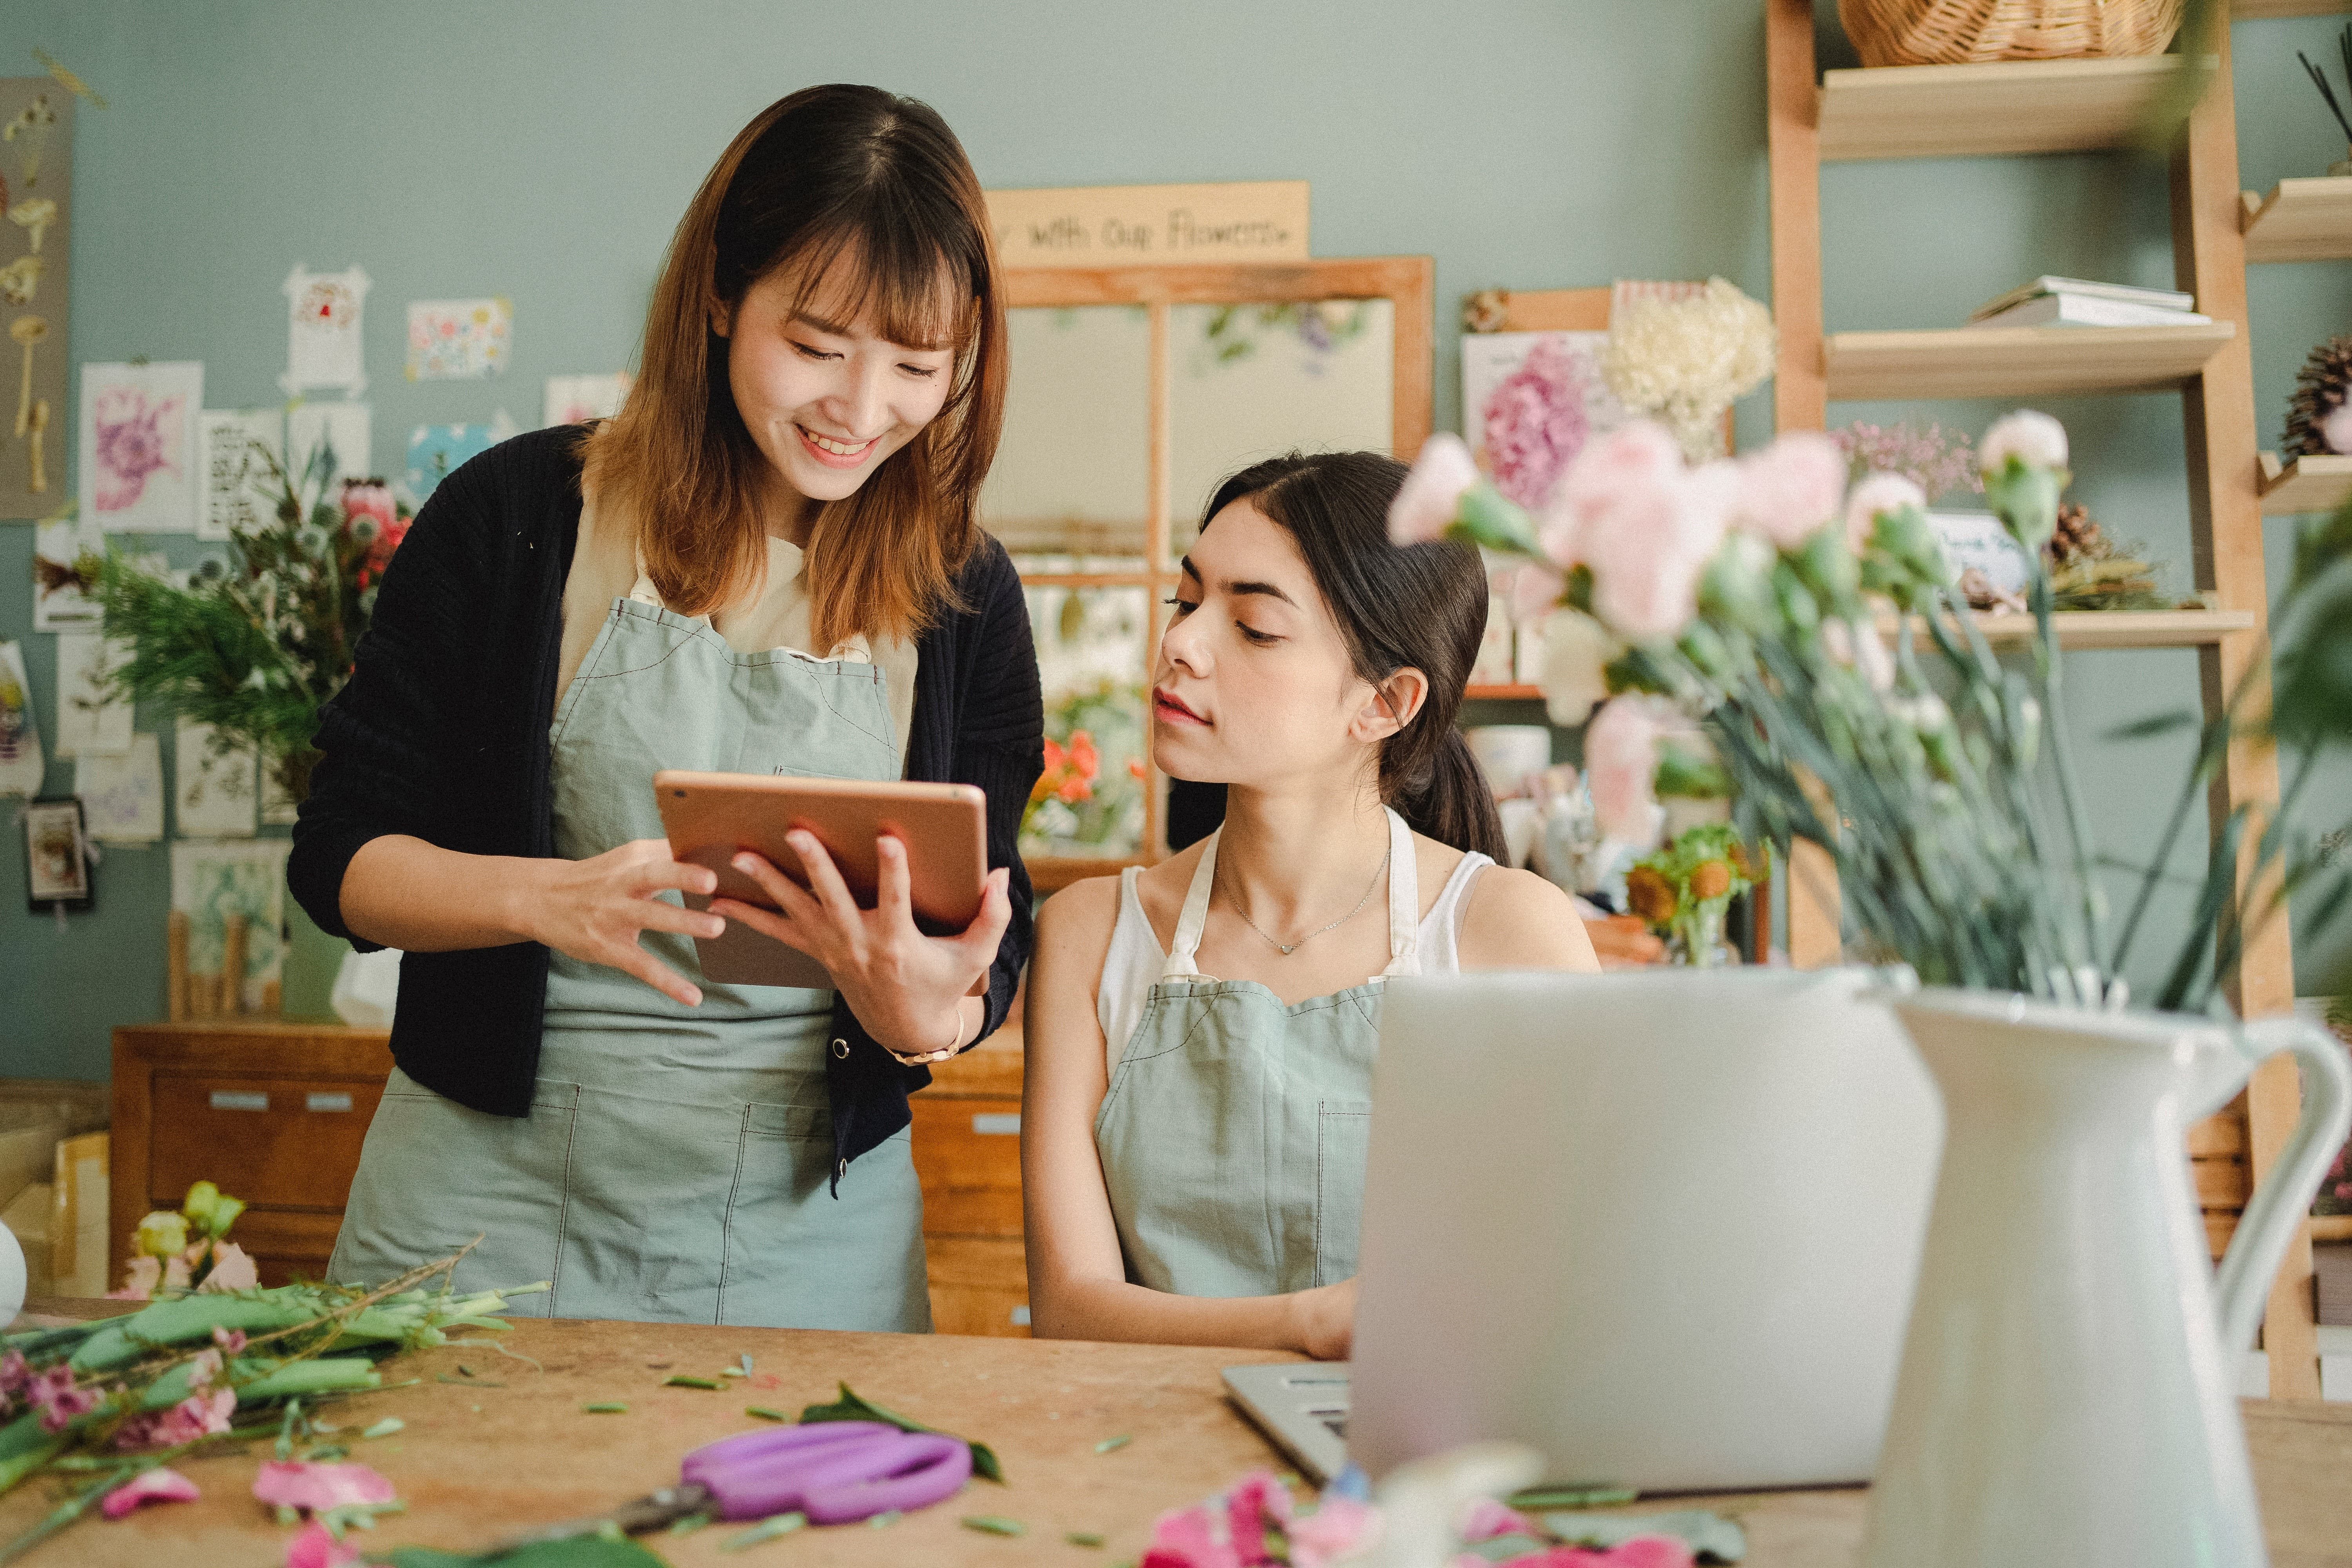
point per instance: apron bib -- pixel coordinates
(1234, 1133)
(675, 1164)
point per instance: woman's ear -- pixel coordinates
(721, 318)
(1394, 703)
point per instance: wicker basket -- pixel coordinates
(1970, 32)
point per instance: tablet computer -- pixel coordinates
(710, 817)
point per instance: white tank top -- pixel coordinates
(1136, 962)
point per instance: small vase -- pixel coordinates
(2068, 1390)
(1698, 941)
(306, 983)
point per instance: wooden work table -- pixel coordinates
(475, 1462)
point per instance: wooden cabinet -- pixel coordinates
(272, 1112)
(967, 1135)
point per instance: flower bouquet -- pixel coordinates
(1683, 891)
(188, 1249)
(256, 646)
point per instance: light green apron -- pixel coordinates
(675, 1164)
(1234, 1133)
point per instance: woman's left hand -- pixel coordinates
(906, 988)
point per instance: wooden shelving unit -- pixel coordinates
(2066, 106)
(2300, 220)
(2003, 109)
(2119, 628)
(1503, 694)
(2018, 361)
(2306, 484)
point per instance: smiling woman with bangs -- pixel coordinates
(770, 561)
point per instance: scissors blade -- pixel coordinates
(651, 1511)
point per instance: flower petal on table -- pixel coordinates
(158, 1485)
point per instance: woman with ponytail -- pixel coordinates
(1200, 1034)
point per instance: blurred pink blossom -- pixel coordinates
(232, 1269)
(1628, 460)
(53, 1394)
(1621, 763)
(1648, 549)
(1189, 1538)
(1488, 1519)
(197, 1415)
(1339, 1527)
(1789, 488)
(314, 1547)
(1424, 507)
(1255, 1504)
(1938, 461)
(1533, 590)
(161, 1484)
(1535, 422)
(298, 1483)
(1878, 493)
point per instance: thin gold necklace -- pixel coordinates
(1287, 949)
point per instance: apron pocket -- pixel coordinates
(799, 1257)
(644, 1207)
(1343, 1132)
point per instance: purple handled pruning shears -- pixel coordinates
(836, 1472)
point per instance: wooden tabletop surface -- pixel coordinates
(474, 1462)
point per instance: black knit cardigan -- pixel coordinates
(441, 734)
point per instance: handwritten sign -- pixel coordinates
(1150, 225)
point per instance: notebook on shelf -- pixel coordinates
(2085, 288)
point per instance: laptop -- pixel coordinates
(1661, 1227)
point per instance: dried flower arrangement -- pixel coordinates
(1685, 355)
(1938, 461)
(1683, 891)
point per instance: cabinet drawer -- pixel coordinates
(277, 1142)
(979, 1286)
(287, 1245)
(968, 1158)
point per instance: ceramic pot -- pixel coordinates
(12, 1277)
(2068, 1390)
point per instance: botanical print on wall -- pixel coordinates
(436, 451)
(123, 796)
(37, 119)
(458, 340)
(21, 761)
(139, 446)
(323, 317)
(213, 881)
(237, 446)
(93, 717)
(58, 603)
(576, 399)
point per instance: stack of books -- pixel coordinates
(2075, 303)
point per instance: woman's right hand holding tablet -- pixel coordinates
(594, 910)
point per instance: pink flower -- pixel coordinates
(2034, 439)
(53, 1394)
(315, 1547)
(1648, 549)
(232, 1269)
(298, 1483)
(1533, 590)
(1631, 460)
(139, 1281)
(1789, 488)
(1535, 422)
(1256, 1504)
(2336, 428)
(1189, 1538)
(1337, 1529)
(158, 1485)
(197, 1415)
(231, 1342)
(1424, 507)
(131, 443)
(1621, 763)
(1489, 1520)
(372, 501)
(1878, 493)
(1641, 1552)
(16, 1376)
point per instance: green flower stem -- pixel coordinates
(2061, 755)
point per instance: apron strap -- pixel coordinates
(1195, 916)
(1404, 900)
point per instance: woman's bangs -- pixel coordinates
(903, 287)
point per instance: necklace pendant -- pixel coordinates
(1286, 952)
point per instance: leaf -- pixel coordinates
(1711, 1537)
(1083, 1538)
(1112, 1445)
(386, 1427)
(886, 1518)
(851, 1407)
(766, 1529)
(1592, 1494)
(994, 1524)
(681, 1379)
(764, 1413)
(606, 1407)
(2155, 724)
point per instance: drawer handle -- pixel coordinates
(997, 1123)
(1021, 1316)
(327, 1102)
(238, 1100)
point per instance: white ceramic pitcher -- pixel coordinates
(2068, 1386)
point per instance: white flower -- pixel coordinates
(2034, 439)
(1425, 505)
(2336, 428)
(1576, 648)
(1878, 493)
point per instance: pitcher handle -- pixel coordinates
(2243, 1284)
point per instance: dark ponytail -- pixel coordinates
(1421, 607)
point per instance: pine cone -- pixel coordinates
(2076, 537)
(2320, 388)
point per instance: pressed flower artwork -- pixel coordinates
(139, 442)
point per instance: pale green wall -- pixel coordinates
(543, 151)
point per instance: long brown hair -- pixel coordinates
(858, 188)
(1423, 606)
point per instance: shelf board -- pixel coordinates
(2119, 628)
(2018, 362)
(2253, 10)
(2006, 108)
(2300, 220)
(1503, 693)
(2306, 484)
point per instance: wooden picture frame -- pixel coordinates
(56, 856)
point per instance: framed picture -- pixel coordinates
(57, 859)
